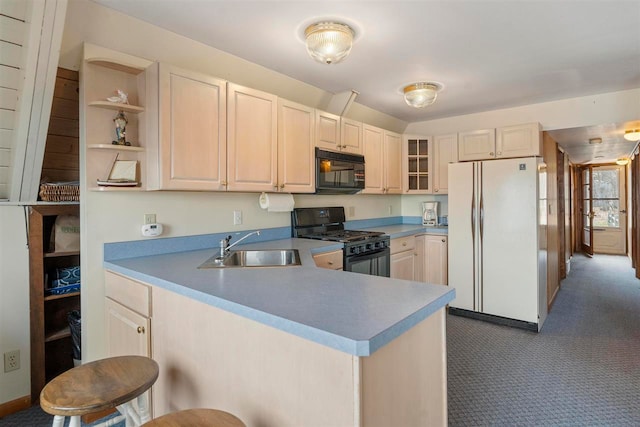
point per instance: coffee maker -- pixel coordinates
(430, 213)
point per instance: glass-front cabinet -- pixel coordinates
(417, 167)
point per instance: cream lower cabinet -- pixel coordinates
(296, 128)
(445, 151)
(383, 165)
(252, 139)
(128, 316)
(431, 266)
(403, 258)
(330, 260)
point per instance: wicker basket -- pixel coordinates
(60, 192)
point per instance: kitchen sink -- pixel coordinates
(255, 258)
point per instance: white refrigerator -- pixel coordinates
(497, 240)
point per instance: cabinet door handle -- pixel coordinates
(275, 186)
(330, 262)
(404, 243)
(224, 183)
(437, 190)
(499, 153)
(141, 329)
(491, 154)
(281, 185)
(443, 240)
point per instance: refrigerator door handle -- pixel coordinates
(473, 217)
(481, 217)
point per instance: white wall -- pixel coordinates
(14, 301)
(614, 107)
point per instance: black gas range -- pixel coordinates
(364, 251)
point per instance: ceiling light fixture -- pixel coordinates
(632, 135)
(595, 141)
(421, 94)
(622, 161)
(329, 42)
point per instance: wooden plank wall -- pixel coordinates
(13, 34)
(61, 155)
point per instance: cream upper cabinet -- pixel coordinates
(445, 151)
(417, 164)
(351, 136)
(382, 161)
(505, 142)
(373, 142)
(477, 145)
(392, 159)
(192, 130)
(519, 141)
(328, 131)
(296, 129)
(251, 139)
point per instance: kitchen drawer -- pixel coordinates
(401, 244)
(331, 260)
(129, 293)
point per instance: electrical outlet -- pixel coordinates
(390, 209)
(12, 360)
(149, 219)
(237, 217)
(352, 211)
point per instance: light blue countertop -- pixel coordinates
(351, 312)
(402, 230)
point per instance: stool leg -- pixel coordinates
(75, 421)
(143, 408)
(58, 421)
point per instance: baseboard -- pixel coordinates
(505, 321)
(14, 406)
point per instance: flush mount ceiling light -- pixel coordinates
(329, 42)
(622, 161)
(595, 141)
(421, 94)
(632, 135)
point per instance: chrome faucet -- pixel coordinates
(225, 247)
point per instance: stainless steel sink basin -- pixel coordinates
(255, 258)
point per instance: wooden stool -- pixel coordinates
(197, 418)
(101, 385)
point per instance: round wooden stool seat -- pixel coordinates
(98, 386)
(197, 418)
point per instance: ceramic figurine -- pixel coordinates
(121, 124)
(122, 97)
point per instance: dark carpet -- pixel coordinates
(582, 369)
(36, 417)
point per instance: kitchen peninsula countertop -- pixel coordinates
(351, 312)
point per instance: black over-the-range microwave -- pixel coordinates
(339, 173)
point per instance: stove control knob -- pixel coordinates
(368, 245)
(357, 248)
(352, 250)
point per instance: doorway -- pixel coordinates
(602, 209)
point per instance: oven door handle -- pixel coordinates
(372, 254)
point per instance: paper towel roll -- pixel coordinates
(276, 202)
